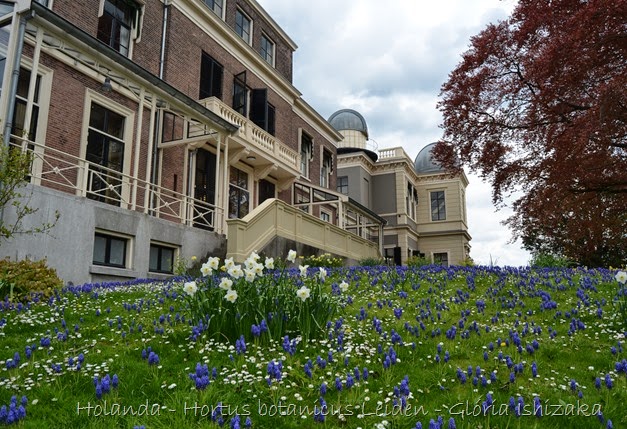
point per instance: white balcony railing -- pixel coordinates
(260, 139)
(58, 170)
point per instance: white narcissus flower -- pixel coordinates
(190, 288)
(213, 262)
(303, 293)
(205, 269)
(231, 296)
(226, 283)
(228, 263)
(258, 269)
(269, 263)
(249, 275)
(343, 286)
(291, 256)
(621, 277)
(323, 274)
(303, 270)
(236, 271)
(254, 256)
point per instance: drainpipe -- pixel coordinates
(157, 115)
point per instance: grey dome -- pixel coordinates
(424, 162)
(348, 119)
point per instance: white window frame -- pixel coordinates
(325, 170)
(175, 254)
(249, 185)
(438, 252)
(327, 213)
(272, 58)
(130, 246)
(213, 9)
(310, 152)
(411, 200)
(135, 36)
(250, 30)
(129, 126)
(431, 191)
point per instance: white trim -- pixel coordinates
(92, 96)
(264, 35)
(250, 29)
(130, 247)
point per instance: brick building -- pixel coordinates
(160, 128)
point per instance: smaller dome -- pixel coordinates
(348, 119)
(424, 162)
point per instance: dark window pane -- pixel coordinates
(118, 252)
(153, 265)
(167, 259)
(100, 250)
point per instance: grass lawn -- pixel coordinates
(475, 347)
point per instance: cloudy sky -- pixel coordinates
(387, 60)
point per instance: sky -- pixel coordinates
(388, 60)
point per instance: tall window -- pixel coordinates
(411, 199)
(110, 250)
(438, 206)
(216, 6)
(306, 149)
(342, 184)
(239, 197)
(267, 50)
(105, 147)
(211, 73)
(115, 24)
(21, 98)
(325, 169)
(242, 26)
(240, 98)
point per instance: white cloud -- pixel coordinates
(388, 60)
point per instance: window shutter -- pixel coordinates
(259, 108)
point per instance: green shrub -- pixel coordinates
(418, 261)
(325, 260)
(20, 280)
(548, 260)
(371, 262)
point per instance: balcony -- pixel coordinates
(58, 170)
(256, 140)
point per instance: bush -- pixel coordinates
(548, 260)
(19, 281)
(371, 262)
(325, 260)
(418, 261)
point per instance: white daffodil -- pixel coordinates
(621, 277)
(343, 286)
(190, 288)
(249, 275)
(236, 271)
(291, 256)
(231, 296)
(205, 269)
(303, 270)
(269, 263)
(226, 283)
(258, 269)
(323, 274)
(228, 263)
(214, 262)
(254, 256)
(303, 293)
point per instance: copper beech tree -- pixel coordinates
(538, 108)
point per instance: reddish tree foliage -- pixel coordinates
(538, 107)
